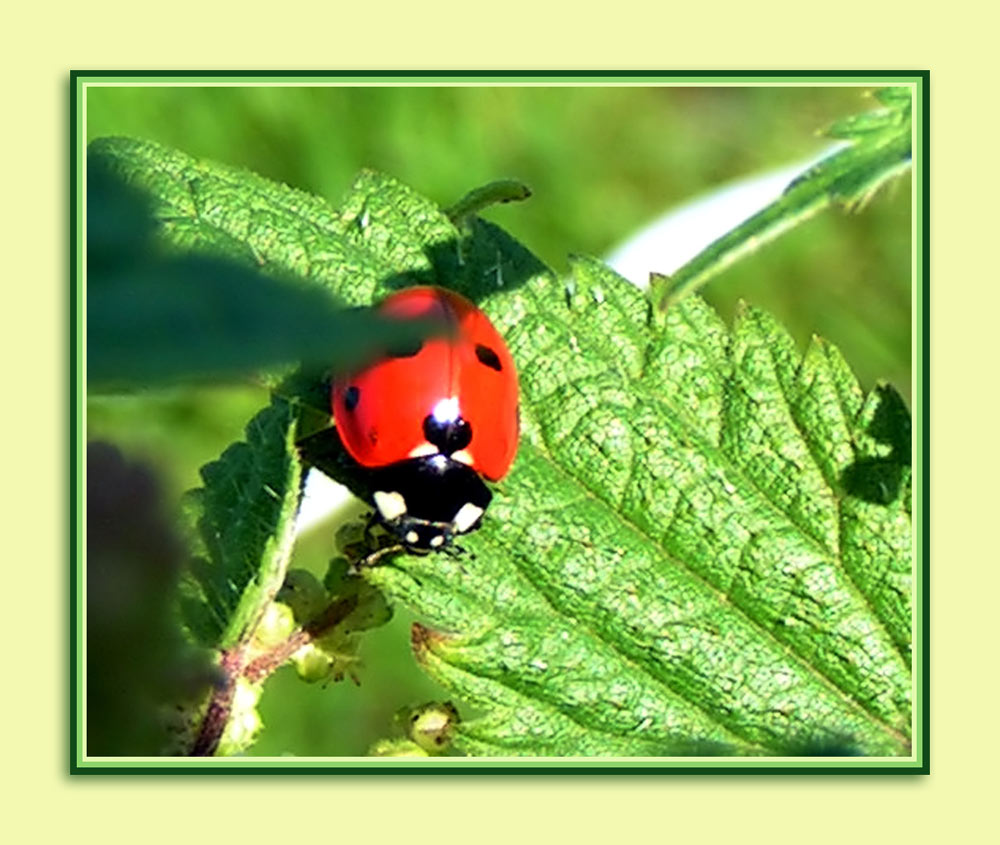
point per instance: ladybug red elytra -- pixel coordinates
(432, 421)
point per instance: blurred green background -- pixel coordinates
(602, 163)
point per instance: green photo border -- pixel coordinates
(918, 763)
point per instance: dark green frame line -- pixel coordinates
(579, 766)
(74, 422)
(489, 771)
(553, 74)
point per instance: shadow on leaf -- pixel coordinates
(879, 477)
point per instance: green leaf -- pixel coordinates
(242, 528)
(880, 149)
(154, 315)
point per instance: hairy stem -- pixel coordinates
(220, 705)
(234, 664)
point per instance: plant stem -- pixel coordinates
(260, 667)
(220, 705)
(233, 665)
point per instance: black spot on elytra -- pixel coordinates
(351, 397)
(488, 357)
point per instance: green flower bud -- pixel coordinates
(276, 625)
(431, 726)
(312, 664)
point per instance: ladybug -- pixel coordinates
(432, 421)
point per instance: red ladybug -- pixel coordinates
(432, 421)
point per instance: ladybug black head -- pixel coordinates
(426, 501)
(448, 435)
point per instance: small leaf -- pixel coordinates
(501, 191)
(242, 526)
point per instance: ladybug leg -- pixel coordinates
(371, 550)
(375, 558)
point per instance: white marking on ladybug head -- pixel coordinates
(411, 537)
(446, 410)
(462, 456)
(390, 505)
(437, 540)
(466, 517)
(423, 450)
